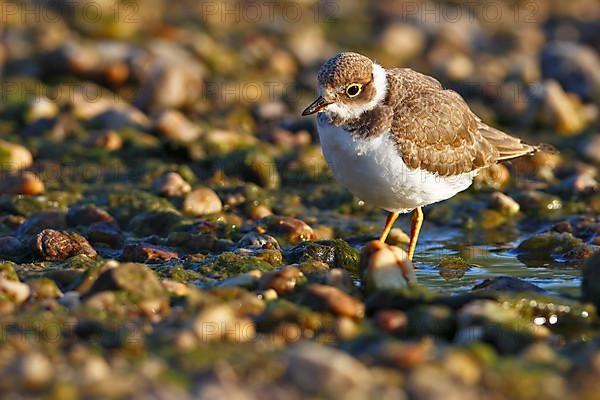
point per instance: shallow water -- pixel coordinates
(487, 261)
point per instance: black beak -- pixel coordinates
(316, 106)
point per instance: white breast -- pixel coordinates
(373, 170)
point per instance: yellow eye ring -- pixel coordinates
(353, 89)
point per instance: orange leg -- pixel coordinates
(415, 228)
(391, 218)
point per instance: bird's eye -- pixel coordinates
(353, 89)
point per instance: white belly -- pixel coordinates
(373, 170)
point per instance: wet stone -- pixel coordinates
(171, 184)
(291, 230)
(55, 245)
(10, 247)
(332, 299)
(335, 253)
(282, 281)
(385, 267)
(147, 253)
(26, 183)
(138, 281)
(87, 215)
(319, 369)
(105, 233)
(42, 220)
(507, 284)
(44, 288)
(202, 201)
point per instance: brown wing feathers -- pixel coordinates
(436, 131)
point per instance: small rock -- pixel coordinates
(10, 247)
(105, 232)
(392, 321)
(40, 108)
(14, 157)
(335, 253)
(171, 184)
(34, 370)
(146, 253)
(282, 281)
(54, 245)
(21, 183)
(202, 201)
(292, 230)
(139, 281)
(503, 203)
(451, 267)
(403, 41)
(16, 291)
(507, 284)
(109, 140)
(256, 240)
(565, 112)
(175, 126)
(44, 288)
(332, 299)
(87, 215)
(385, 267)
(218, 323)
(39, 221)
(545, 246)
(320, 369)
(7, 271)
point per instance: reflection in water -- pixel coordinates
(486, 261)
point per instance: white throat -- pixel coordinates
(346, 112)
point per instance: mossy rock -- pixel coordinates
(229, 264)
(44, 288)
(546, 246)
(282, 311)
(335, 253)
(7, 271)
(137, 280)
(155, 223)
(453, 267)
(125, 206)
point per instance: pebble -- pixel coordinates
(385, 267)
(35, 370)
(26, 183)
(40, 108)
(293, 230)
(55, 245)
(43, 289)
(174, 125)
(323, 370)
(282, 281)
(14, 157)
(503, 203)
(146, 253)
(39, 221)
(16, 291)
(87, 215)
(138, 280)
(566, 112)
(220, 323)
(171, 184)
(202, 201)
(333, 300)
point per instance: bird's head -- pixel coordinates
(349, 84)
